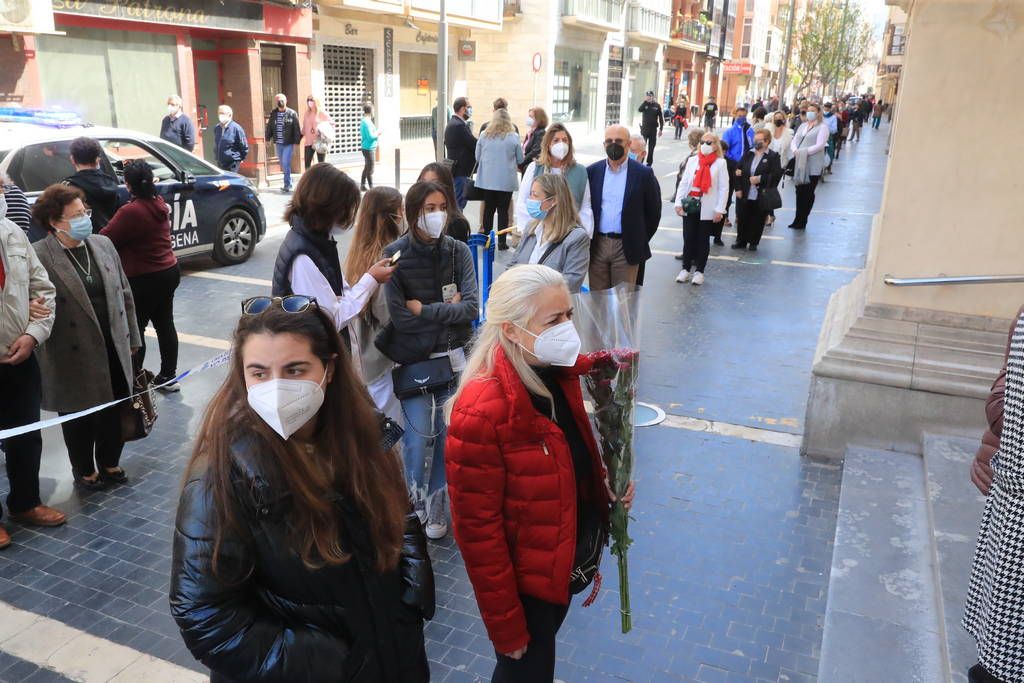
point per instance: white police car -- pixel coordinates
(211, 210)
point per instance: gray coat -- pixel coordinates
(76, 374)
(570, 257)
(498, 160)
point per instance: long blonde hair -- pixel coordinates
(563, 217)
(375, 229)
(500, 125)
(513, 299)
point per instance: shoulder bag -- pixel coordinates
(472, 193)
(139, 413)
(591, 538)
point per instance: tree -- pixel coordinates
(834, 41)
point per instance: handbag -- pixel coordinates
(430, 376)
(591, 538)
(390, 432)
(139, 413)
(691, 205)
(769, 199)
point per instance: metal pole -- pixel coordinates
(398, 168)
(783, 76)
(441, 118)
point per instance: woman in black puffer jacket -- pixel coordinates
(295, 557)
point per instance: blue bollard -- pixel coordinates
(482, 249)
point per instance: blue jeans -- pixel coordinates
(460, 191)
(423, 443)
(284, 153)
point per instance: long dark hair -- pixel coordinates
(415, 198)
(347, 457)
(324, 197)
(138, 176)
(447, 182)
(375, 229)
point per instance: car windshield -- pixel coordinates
(121, 151)
(186, 161)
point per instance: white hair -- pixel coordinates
(513, 299)
(225, 109)
(174, 99)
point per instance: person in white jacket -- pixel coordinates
(782, 136)
(705, 179)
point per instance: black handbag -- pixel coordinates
(430, 376)
(139, 413)
(591, 538)
(390, 432)
(769, 199)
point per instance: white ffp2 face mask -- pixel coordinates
(286, 405)
(560, 150)
(558, 345)
(433, 223)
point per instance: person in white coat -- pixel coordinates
(782, 136)
(557, 157)
(700, 199)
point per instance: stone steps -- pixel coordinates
(905, 537)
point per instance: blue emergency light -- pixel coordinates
(54, 118)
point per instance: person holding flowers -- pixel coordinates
(529, 497)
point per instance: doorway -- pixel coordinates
(208, 96)
(348, 85)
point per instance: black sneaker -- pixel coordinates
(678, 257)
(737, 245)
(719, 242)
(752, 247)
(169, 388)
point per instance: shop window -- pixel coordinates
(574, 92)
(417, 86)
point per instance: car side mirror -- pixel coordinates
(188, 179)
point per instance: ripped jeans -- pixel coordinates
(423, 453)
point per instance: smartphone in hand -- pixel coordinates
(448, 292)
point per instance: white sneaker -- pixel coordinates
(684, 276)
(698, 278)
(436, 530)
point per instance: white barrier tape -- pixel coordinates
(219, 359)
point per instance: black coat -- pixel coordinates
(282, 621)
(532, 151)
(101, 194)
(460, 146)
(292, 128)
(769, 168)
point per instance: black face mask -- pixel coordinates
(615, 151)
(280, 104)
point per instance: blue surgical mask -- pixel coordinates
(741, 119)
(533, 208)
(81, 227)
(632, 155)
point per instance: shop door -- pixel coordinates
(348, 85)
(208, 92)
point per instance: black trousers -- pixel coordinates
(496, 201)
(679, 130)
(19, 405)
(696, 247)
(543, 620)
(309, 152)
(805, 202)
(95, 440)
(154, 302)
(749, 222)
(367, 178)
(651, 138)
(979, 674)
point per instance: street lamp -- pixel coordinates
(441, 118)
(783, 76)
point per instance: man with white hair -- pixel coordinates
(177, 127)
(285, 131)
(229, 140)
(637, 148)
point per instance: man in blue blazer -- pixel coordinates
(626, 200)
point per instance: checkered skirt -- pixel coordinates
(994, 612)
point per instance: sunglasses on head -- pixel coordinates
(293, 303)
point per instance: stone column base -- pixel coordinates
(883, 375)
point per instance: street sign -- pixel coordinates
(536, 62)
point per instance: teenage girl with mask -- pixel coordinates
(433, 301)
(526, 479)
(295, 556)
(554, 236)
(458, 226)
(557, 157)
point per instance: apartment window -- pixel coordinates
(897, 45)
(748, 29)
(750, 6)
(574, 91)
(768, 48)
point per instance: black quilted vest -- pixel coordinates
(321, 250)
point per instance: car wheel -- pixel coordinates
(236, 238)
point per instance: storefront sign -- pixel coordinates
(742, 68)
(422, 37)
(467, 50)
(389, 62)
(26, 16)
(351, 30)
(235, 16)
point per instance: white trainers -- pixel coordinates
(436, 530)
(684, 276)
(698, 278)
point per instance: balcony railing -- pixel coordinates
(599, 11)
(691, 30)
(649, 22)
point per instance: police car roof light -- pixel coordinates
(54, 118)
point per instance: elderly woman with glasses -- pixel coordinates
(88, 359)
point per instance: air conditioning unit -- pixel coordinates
(633, 53)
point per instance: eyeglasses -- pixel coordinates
(87, 213)
(293, 303)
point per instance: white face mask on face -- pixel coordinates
(433, 223)
(706, 148)
(172, 109)
(558, 345)
(286, 405)
(224, 118)
(560, 150)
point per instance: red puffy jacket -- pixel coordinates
(513, 496)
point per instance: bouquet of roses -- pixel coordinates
(608, 323)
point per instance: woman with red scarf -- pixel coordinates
(701, 197)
